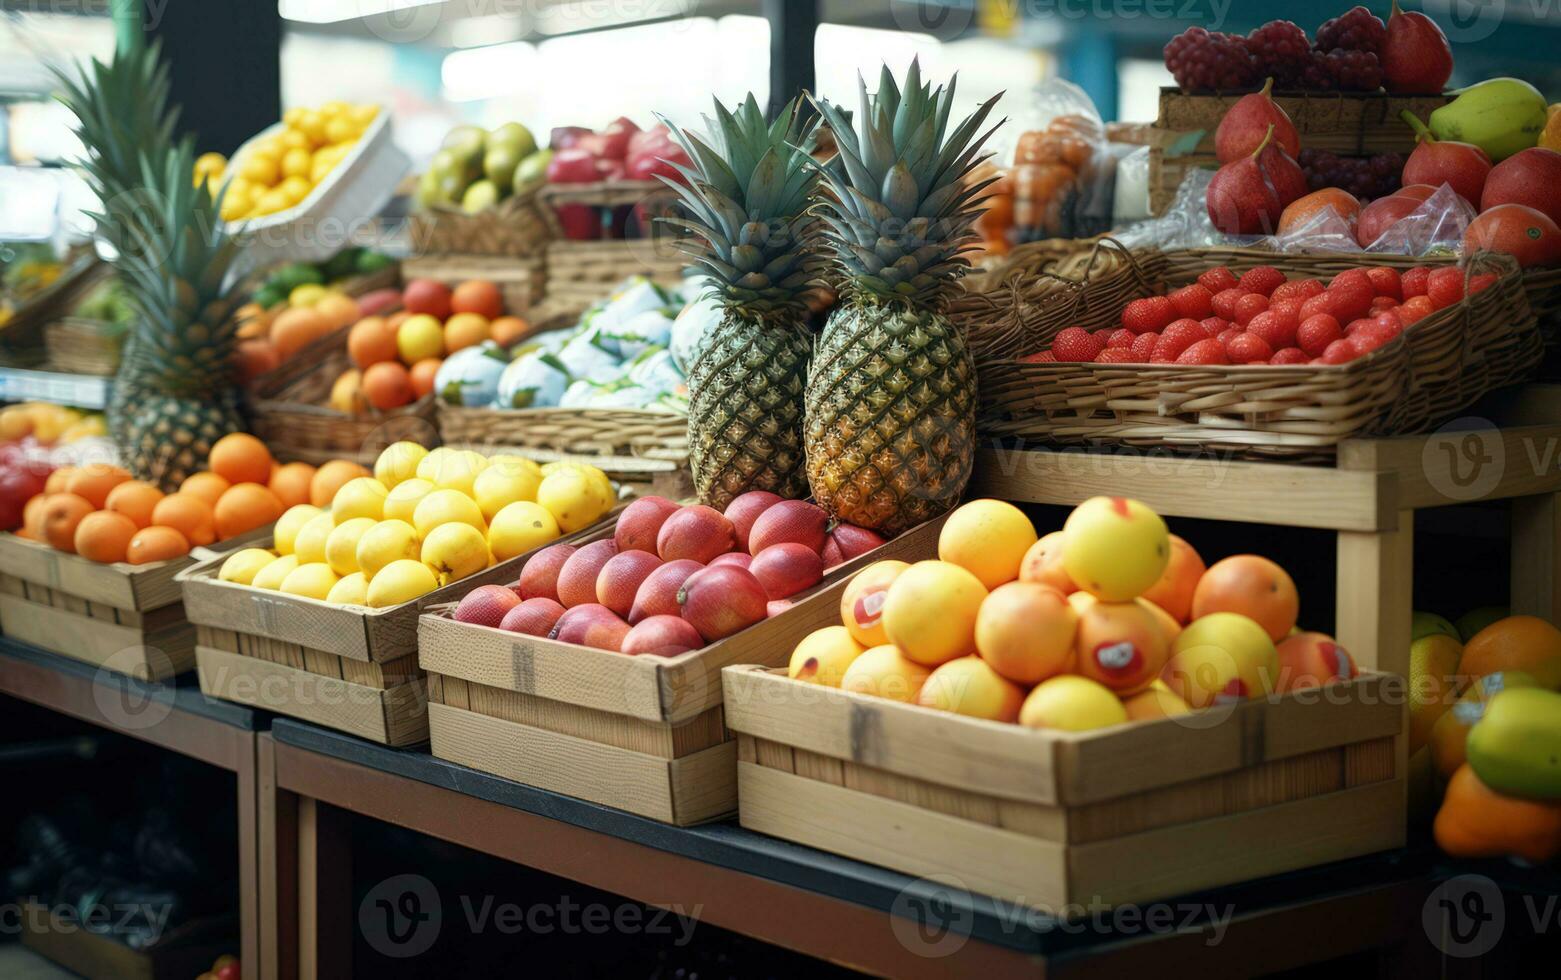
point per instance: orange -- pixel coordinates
(256, 357)
(252, 321)
(1520, 231)
(94, 481)
(477, 296)
(239, 457)
(296, 328)
(56, 481)
(104, 535)
(330, 477)
(465, 330)
(188, 514)
(32, 517)
(508, 331)
(1525, 643)
(290, 483)
(62, 512)
(208, 486)
(245, 507)
(371, 341)
(387, 385)
(134, 499)
(397, 318)
(1252, 586)
(338, 309)
(1301, 210)
(422, 376)
(156, 543)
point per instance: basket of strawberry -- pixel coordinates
(1254, 353)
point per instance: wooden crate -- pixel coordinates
(122, 617)
(182, 952)
(643, 734)
(1060, 820)
(1346, 123)
(581, 273)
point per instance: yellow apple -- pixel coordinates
(309, 545)
(286, 529)
(404, 497)
(520, 527)
(398, 463)
(242, 566)
(384, 543)
(341, 546)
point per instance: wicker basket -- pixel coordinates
(520, 280)
(581, 272)
(1439, 366)
(82, 346)
(513, 228)
(23, 334)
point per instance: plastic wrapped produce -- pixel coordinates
(1063, 174)
(690, 329)
(590, 356)
(534, 380)
(470, 377)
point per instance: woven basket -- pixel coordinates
(289, 411)
(1544, 297)
(520, 280)
(581, 272)
(639, 433)
(513, 228)
(81, 346)
(1440, 365)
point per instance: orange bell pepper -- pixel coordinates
(1476, 821)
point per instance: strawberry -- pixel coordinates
(1370, 337)
(1229, 332)
(1247, 347)
(1077, 344)
(1381, 303)
(1204, 352)
(1215, 325)
(1386, 281)
(1143, 347)
(1176, 338)
(1321, 304)
(1116, 355)
(1356, 326)
(1415, 308)
(1290, 355)
(1351, 296)
(1413, 281)
(1316, 333)
(1301, 289)
(1289, 307)
(1389, 320)
(1481, 282)
(1262, 279)
(1120, 337)
(1248, 307)
(1224, 303)
(1339, 352)
(1444, 287)
(1277, 328)
(1151, 313)
(1192, 301)
(1044, 357)
(1217, 279)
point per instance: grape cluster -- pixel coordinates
(1281, 49)
(1357, 29)
(1368, 178)
(1203, 61)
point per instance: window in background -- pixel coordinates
(1138, 88)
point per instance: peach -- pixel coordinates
(1252, 586)
(1154, 702)
(930, 612)
(786, 569)
(721, 601)
(577, 579)
(824, 656)
(486, 605)
(1312, 660)
(591, 625)
(658, 593)
(883, 671)
(989, 538)
(539, 579)
(1026, 631)
(849, 541)
(641, 521)
(1121, 645)
(790, 520)
(1220, 656)
(861, 604)
(698, 532)
(1115, 548)
(619, 580)
(1072, 704)
(739, 559)
(746, 508)
(969, 686)
(1173, 593)
(534, 617)
(662, 636)
(1043, 565)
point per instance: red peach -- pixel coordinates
(577, 579)
(721, 601)
(698, 532)
(534, 617)
(1043, 564)
(619, 580)
(746, 508)
(787, 568)
(658, 594)
(790, 520)
(539, 579)
(591, 625)
(662, 636)
(486, 605)
(641, 521)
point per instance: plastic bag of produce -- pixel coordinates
(1436, 225)
(470, 377)
(1185, 223)
(652, 328)
(655, 371)
(534, 380)
(691, 328)
(590, 355)
(1325, 231)
(621, 393)
(1063, 174)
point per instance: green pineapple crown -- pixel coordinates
(748, 192)
(899, 213)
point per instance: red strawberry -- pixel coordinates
(1316, 333)
(1415, 308)
(1224, 303)
(1217, 279)
(1229, 332)
(1192, 301)
(1290, 355)
(1381, 303)
(1356, 326)
(1176, 338)
(1370, 337)
(1151, 313)
(1386, 281)
(1339, 352)
(1120, 337)
(1248, 307)
(1351, 297)
(1204, 352)
(1262, 279)
(1481, 282)
(1444, 287)
(1413, 281)
(1289, 307)
(1143, 347)
(1077, 344)
(1389, 320)
(1044, 357)
(1321, 304)
(1116, 355)
(1276, 327)
(1301, 289)
(1248, 347)
(1215, 325)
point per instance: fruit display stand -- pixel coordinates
(1354, 123)
(579, 272)
(521, 279)
(78, 345)
(1124, 815)
(641, 733)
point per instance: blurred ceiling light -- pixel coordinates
(570, 16)
(482, 73)
(475, 32)
(335, 11)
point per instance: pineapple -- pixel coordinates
(891, 394)
(749, 190)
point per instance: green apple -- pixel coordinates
(499, 165)
(514, 136)
(532, 171)
(480, 195)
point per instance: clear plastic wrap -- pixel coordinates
(1063, 171)
(1437, 225)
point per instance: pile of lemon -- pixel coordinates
(278, 171)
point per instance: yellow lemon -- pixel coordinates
(401, 581)
(296, 162)
(384, 543)
(242, 566)
(341, 547)
(272, 575)
(259, 169)
(271, 202)
(309, 545)
(521, 527)
(455, 551)
(296, 189)
(459, 471)
(446, 507)
(289, 523)
(313, 580)
(350, 590)
(398, 463)
(236, 203)
(499, 486)
(402, 501)
(428, 466)
(362, 496)
(574, 499)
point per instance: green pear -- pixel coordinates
(514, 136)
(429, 192)
(499, 164)
(532, 171)
(481, 195)
(1499, 115)
(467, 139)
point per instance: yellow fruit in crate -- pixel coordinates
(312, 125)
(340, 130)
(987, 538)
(236, 202)
(499, 486)
(823, 656)
(271, 202)
(402, 501)
(243, 566)
(334, 109)
(347, 393)
(401, 581)
(313, 581)
(597, 476)
(930, 612)
(574, 498)
(292, 139)
(350, 590)
(385, 542)
(341, 547)
(288, 525)
(459, 471)
(272, 575)
(520, 527)
(210, 167)
(296, 162)
(291, 116)
(398, 463)
(365, 113)
(455, 551)
(428, 466)
(419, 336)
(296, 188)
(309, 545)
(307, 294)
(442, 507)
(360, 497)
(261, 169)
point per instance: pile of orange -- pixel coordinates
(99, 512)
(268, 338)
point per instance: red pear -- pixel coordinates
(1415, 54)
(1382, 214)
(1437, 162)
(1530, 177)
(1247, 195)
(1245, 125)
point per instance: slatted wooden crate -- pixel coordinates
(123, 617)
(1133, 813)
(643, 734)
